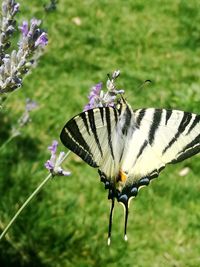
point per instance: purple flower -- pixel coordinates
(15, 8)
(94, 96)
(53, 147)
(96, 90)
(15, 64)
(24, 28)
(35, 23)
(10, 7)
(97, 97)
(25, 118)
(53, 164)
(42, 40)
(30, 105)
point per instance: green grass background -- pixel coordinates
(66, 224)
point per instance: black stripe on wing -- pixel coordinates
(194, 123)
(144, 145)
(140, 117)
(189, 150)
(168, 115)
(93, 128)
(74, 131)
(108, 121)
(182, 125)
(102, 114)
(83, 116)
(127, 122)
(75, 145)
(157, 116)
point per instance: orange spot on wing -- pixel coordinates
(122, 176)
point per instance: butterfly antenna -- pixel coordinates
(110, 220)
(144, 83)
(109, 77)
(123, 98)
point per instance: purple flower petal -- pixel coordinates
(61, 172)
(24, 28)
(42, 40)
(35, 22)
(66, 173)
(16, 8)
(94, 97)
(99, 98)
(30, 105)
(87, 107)
(53, 164)
(53, 147)
(97, 88)
(49, 165)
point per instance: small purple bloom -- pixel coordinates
(24, 28)
(25, 118)
(30, 105)
(16, 8)
(20, 61)
(53, 164)
(97, 89)
(94, 96)
(35, 22)
(99, 98)
(49, 165)
(42, 40)
(53, 147)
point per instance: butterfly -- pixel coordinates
(130, 147)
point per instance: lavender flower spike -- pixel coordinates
(94, 97)
(9, 8)
(97, 97)
(53, 164)
(16, 64)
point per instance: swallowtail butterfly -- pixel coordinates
(130, 147)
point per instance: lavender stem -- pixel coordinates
(27, 201)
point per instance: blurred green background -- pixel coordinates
(66, 224)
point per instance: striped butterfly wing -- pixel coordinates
(90, 135)
(136, 144)
(164, 136)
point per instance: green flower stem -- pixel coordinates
(29, 199)
(24, 205)
(7, 141)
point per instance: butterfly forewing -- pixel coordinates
(92, 136)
